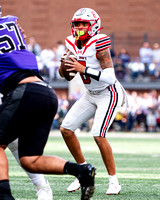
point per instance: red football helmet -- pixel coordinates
(86, 15)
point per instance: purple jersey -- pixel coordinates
(13, 50)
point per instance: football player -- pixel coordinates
(27, 112)
(103, 97)
(43, 189)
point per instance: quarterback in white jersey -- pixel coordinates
(87, 56)
(103, 97)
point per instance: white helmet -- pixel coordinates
(86, 15)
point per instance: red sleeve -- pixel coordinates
(103, 43)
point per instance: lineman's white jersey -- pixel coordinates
(87, 57)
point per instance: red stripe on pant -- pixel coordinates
(110, 111)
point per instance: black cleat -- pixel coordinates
(86, 179)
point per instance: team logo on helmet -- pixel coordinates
(81, 11)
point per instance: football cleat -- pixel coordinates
(44, 193)
(113, 189)
(86, 179)
(75, 185)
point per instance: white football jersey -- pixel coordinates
(87, 57)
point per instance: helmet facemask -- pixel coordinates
(79, 32)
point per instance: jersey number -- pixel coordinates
(7, 41)
(86, 79)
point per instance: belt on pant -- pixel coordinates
(42, 83)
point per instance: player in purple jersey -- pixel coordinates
(42, 186)
(27, 111)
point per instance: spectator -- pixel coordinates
(146, 53)
(120, 70)
(113, 54)
(154, 99)
(121, 119)
(156, 53)
(71, 101)
(124, 56)
(47, 57)
(34, 47)
(154, 71)
(158, 119)
(137, 69)
(77, 94)
(140, 121)
(60, 50)
(151, 120)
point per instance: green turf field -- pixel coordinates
(137, 161)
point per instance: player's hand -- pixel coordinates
(75, 65)
(21, 29)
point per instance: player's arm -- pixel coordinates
(104, 58)
(107, 74)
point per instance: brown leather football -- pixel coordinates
(68, 75)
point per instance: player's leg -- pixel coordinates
(7, 109)
(108, 159)
(56, 165)
(43, 189)
(111, 99)
(73, 143)
(80, 112)
(5, 191)
(107, 155)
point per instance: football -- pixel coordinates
(68, 75)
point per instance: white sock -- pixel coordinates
(37, 179)
(113, 179)
(83, 163)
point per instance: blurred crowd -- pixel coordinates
(143, 114)
(48, 59)
(145, 67)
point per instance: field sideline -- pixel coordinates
(137, 159)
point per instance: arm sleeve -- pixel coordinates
(107, 75)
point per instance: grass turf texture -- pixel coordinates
(137, 162)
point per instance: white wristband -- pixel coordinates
(107, 75)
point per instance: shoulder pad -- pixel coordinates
(103, 42)
(70, 43)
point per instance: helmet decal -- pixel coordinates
(81, 11)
